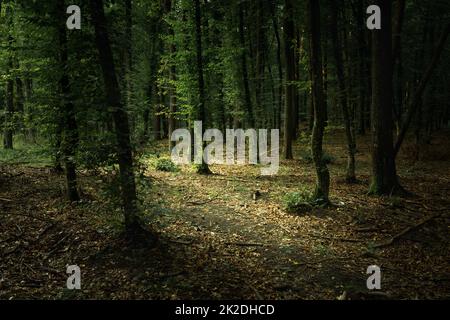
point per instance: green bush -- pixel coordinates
(299, 201)
(165, 164)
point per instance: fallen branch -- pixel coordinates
(56, 246)
(181, 241)
(245, 244)
(336, 238)
(199, 203)
(406, 231)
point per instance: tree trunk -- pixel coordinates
(173, 102)
(280, 68)
(289, 55)
(128, 59)
(120, 117)
(69, 125)
(9, 107)
(351, 145)
(260, 64)
(201, 114)
(384, 175)
(358, 14)
(247, 97)
(323, 176)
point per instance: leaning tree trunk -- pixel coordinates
(416, 99)
(351, 144)
(323, 175)
(69, 125)
(120, 117)
(384, 175)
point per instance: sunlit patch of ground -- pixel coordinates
(218, 241)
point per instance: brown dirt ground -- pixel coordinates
(217, 242)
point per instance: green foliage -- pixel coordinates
(299, 201)
(97, 153)
(164, 164)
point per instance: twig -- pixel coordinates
(55, 247)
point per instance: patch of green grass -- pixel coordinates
(26, 153)
(165, 164)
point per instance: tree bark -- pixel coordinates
(323, 176)
(247, 97)
(9, 106)
(290, 96)
(384, 175)
(280, 68)
(69, 125)
(120, 117)
(260, 64)
(201, 110)
(351, 144)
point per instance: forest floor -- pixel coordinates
(218, 242)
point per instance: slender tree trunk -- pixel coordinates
(201, 112)
(260, 63)
(359, 17)
(323, 175)
(9, 107)
(297, 50)
(120, 117)
(128, 60)
(351, 145)
(384, 175)
(289, 56)
(247, 97)
(173, 102)
(157, 125)
(280, 68)
(70, 128)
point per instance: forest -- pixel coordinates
(339, 187)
